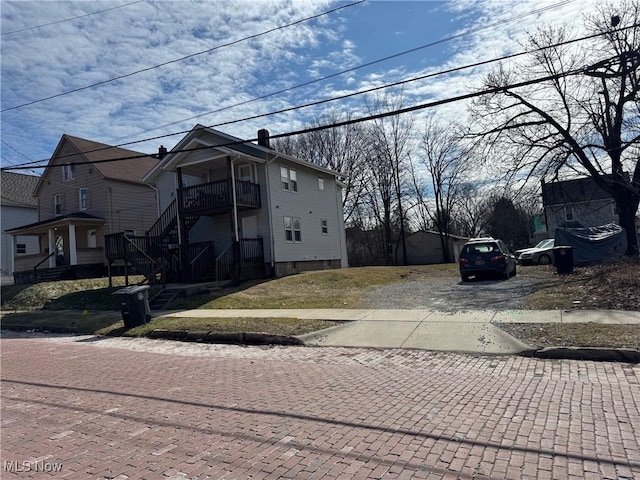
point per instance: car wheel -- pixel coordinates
(515, 271)
(507, 274)
(544, 260)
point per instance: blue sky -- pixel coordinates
(130, 35)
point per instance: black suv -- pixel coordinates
(482, 256)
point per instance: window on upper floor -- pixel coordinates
(69, 171)
(84, 198)
(292, 230)
(324, 224)
(321, 183)
(289, 179)
(568, 213)
(57, 204)
(21, 248)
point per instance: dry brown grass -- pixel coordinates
(609, 286)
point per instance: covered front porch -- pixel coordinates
(66, 243)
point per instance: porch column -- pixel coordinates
(182, 241)
(52, 248)
(73, 253)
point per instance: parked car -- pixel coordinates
(486, 256)
(541, 254)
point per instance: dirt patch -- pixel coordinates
(541, 335)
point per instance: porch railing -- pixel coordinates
(200, 257)
(247, 252)
(218, 195)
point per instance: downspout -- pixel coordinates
(270, 213)
(235, 200)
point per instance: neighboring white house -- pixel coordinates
(217, 192)
(578, 202)
(424, 248)
(18, 206)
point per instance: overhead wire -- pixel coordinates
(70, 19)
(350, 121)
(360, 92)
(358, 67)
(217, 47)
(446, 39)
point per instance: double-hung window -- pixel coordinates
(568, 213)
(84, 198)
(325, 226)
(69, 172)
(292, 230)
(289, 179)
(57, 204)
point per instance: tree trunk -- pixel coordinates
(627, 218)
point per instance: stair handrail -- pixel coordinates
(164, 220)
(35, 269)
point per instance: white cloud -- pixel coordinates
(46, 61)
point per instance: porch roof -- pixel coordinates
(43, 225)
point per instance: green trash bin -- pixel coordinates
(134, 305)
(563, 259)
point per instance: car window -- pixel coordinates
(479, 248)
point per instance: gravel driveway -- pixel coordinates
(450, 295)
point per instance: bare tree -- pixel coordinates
(447, 162)
(388, 157)
(341, 149)
(588, 120)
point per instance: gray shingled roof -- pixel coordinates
(17, 189)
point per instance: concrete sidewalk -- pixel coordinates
(466, 332)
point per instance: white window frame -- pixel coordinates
(321, 184)
(288, 179)
(57, 204)
(83, 201)
(68, 172)
(568, 214)
(324, 226)
(292, 230)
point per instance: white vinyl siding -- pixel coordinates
(311, 207)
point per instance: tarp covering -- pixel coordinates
(593, 244)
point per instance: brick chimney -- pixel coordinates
(263, 138)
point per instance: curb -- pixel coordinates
(240, 338)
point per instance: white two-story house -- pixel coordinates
(227, 206)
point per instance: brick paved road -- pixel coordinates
(133, 409)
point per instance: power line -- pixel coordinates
(362, 92)
(69, 19)
(377, 116)
(120, 77)
(342, 72)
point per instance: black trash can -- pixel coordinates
(563, 258)
(134, 305)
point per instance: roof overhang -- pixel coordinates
(42, 227)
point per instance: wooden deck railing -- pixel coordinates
(219, 195)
